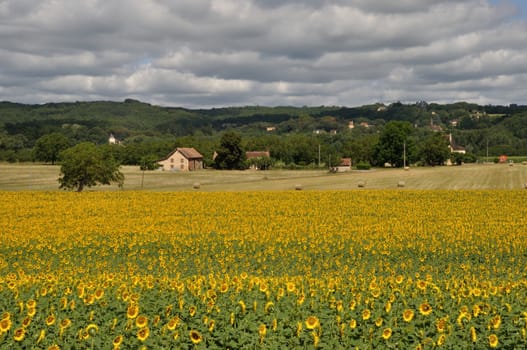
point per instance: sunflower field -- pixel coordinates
(397, 269)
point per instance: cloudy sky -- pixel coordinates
(212, 53)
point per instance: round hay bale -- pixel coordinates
(196, 185)
(401, 184)
(361, 184)
(298, 187)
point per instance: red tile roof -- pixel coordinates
(189, 153)
(256, 154)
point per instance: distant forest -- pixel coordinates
(294, 136)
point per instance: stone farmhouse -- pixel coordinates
(182, 159)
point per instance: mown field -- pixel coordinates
(24, 177)
(263, 269)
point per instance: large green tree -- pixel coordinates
(434, 149)
(86, 165)
(230, 155)
(395, 144)
(48, 147)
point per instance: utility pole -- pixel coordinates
(404, 154)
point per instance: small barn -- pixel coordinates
(252, 156)
(344, 165)
(182, 159)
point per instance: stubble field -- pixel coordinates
(21, 177)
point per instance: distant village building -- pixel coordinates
(344, 165)
(254, 155)
(182, 159)
(270, 128)
(453, 147)
(351, 125)
(112, 140)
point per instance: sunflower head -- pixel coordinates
(312, 322)
(387, 333)
(425, 309)
(195, 337)
(493, 341)
(408, 315)
(143, 333)
(141, 321)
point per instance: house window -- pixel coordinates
(182, 160)
(182, 166)
(171, 166)
(171, 160)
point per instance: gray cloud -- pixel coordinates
(202, 53)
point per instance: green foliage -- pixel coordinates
(230, 154)
(394, 142)
(260, 163)
(86, 165)
(48, 147)
(362, 165)
(434, 149)
(153, 130)
(149, 163)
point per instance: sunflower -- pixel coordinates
(143, 333)
(242, 306)
(408, 315)
(421, 285)
(493, 341)
(26, 322)
(41, 336)
(173, 323)
(495, 322)
(132, 311)
(388, 307)
(366, 314)
(31, 311)
(473, 335)
(141, 321)
(441, 340)
(31, 303)
(290, 286)
(5, 325)
(192, 311)
(353, 323)
(50, 320)
(54, 347)
(92, 329)
(312, 322)
(316, 339)
(117, 341)
(224, 288)
(387, 333)
(195, 337)
(298, 329)
(379, 321)
(99, 293)
(20, 334)
(441, 325)
(399, 279)
(425, 309)
(65, 323)
(262, 330)
(268, 307)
